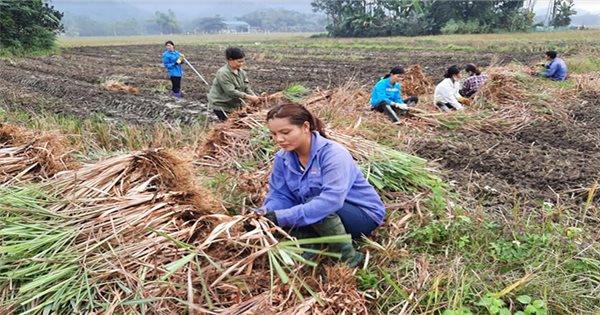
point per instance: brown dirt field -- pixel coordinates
(543, 161)
(546, 156)
(70, 83)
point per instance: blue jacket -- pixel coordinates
(383, 91)
(169, 60)
(557, 70)
(331, 178)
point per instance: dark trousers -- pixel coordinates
(465, 93)
(222, 115)
(176, 82)
(356, 222)
(384, 107)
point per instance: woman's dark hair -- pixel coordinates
(169, 42)
(551, 53)
(395, 70)
(298, 115)
(451, 71)
(234, 53)
(472, 68)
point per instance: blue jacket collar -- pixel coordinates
(316, 145)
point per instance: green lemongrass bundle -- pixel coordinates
(387, 169)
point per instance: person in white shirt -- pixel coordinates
(446, 95)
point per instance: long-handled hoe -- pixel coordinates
(196, 71)
(201, 78)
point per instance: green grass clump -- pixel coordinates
(295, 92)
(583, 64)
(39, 270)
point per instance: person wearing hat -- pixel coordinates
(446, 95)
(172, 60)
(387, 97)
(231, 88)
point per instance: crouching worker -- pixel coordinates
(387, 97)
(316, 188)
(555, 68)
(446, 95)
(231, 88)
(475, 80)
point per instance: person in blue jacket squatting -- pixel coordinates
(387, 97)
(172, 60)
(316, 188)
(556, 68)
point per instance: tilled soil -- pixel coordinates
(70, 83)
(545, 158)
(541, 162)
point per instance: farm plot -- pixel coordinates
(504, 214)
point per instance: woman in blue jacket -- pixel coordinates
(316, 188)
(387, 97)
(172, 59)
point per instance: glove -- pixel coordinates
(271, 216)
(400, 105)
(180, 59)
(464, 100)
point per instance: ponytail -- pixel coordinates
(395, 70)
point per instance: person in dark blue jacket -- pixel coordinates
(172, 60)
(387, 96)
(316, 188)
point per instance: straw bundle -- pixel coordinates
(27, 156)
(415, 82)
(116, 84)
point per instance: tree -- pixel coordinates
(208, 24)
(420, 17)
(282, 20)
(564, 11)
(167, 22)
(28, 25)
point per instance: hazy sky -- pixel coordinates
(227, 8)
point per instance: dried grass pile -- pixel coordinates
(586, 82)
(117, 84)
(503, 105)
(242, 146)
(31, 156)
(415, 82)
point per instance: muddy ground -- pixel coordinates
(545, 158)
(553, 161)
(70, 83)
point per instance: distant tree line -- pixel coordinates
(273, 20)
(358, 18)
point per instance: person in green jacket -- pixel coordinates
(231, 89)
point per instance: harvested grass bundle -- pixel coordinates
(246, 143)
(502, 88)
(586, 82)
(173, 264)
(415, 82)
(155, 170)
(117, 84)
(27, 156)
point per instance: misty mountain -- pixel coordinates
(112, 10)
(103, 11)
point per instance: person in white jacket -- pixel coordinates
(446, 95)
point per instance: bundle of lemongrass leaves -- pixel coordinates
(247, 142)
(115, 237)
